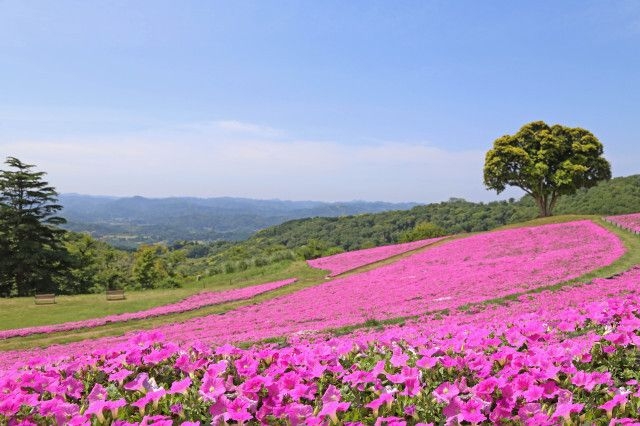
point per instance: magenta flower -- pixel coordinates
(565, 409)
(471, 411)
(445, 392)
(139, 383)
(114, 406)
(212, 387)
(410, 410)
(98, 393)
(180, 386)
(617, 400)
(331, 394)
(60, 410)
(238, 410)
(331, 409)
(96, 408)
(119, 375)
(390, 421)
(384, 398)
(586, 380)
(486, 387)
(153, 396)
(399, 358)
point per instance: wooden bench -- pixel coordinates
(115, 295)
(45, 299)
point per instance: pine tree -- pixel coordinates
(33, 256)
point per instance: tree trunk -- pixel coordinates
(545, 206)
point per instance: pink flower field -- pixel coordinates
(554, 366)
(627, 221)
(456, 273)
(343, 262)
(567, 356)
(196, 301)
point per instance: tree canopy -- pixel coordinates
(546, 162)
(33, 252)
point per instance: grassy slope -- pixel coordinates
(23, 312)
(307, 277)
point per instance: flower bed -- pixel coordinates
(196, 301)
(457, 273)
(559, 365)
(342, 262)
(627, 221)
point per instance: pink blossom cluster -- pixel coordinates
(343, 262)
(554, 367)
(457, 273)
(190, 303)
(627, 221)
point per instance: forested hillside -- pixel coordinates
(96, 265)
(368, 230)
(617, 196)
(128, 222)
(314, 237)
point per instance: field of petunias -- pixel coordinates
(200, 300)
(456, 273)
(343, 262)
(544, 358)
(627, 221)
(453, 274)
(560, 365)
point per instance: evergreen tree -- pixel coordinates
(33, 255)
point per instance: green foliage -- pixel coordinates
(154, 267)
(620, 195)
(321, 236)
(312, 250)
(370, 230)
(422, 231)
(33, 258)
(95, 266)
(546, 162)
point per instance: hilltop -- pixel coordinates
(324, 235)
(128, 222)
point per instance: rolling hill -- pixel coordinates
(127, 222)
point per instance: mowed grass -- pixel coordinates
(306, 276)
(23, 312)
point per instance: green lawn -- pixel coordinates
(22, 312)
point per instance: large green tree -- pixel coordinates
(546, 162)
(33, 255)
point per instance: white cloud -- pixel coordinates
(232, 158)
(247, 128)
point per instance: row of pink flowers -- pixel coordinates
(552, 367)
(456, 273)
(190, 303)
(627, 221)
(459, 272)
(343, 262)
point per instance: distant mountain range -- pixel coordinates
(129, 221)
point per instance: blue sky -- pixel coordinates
(329, 100)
